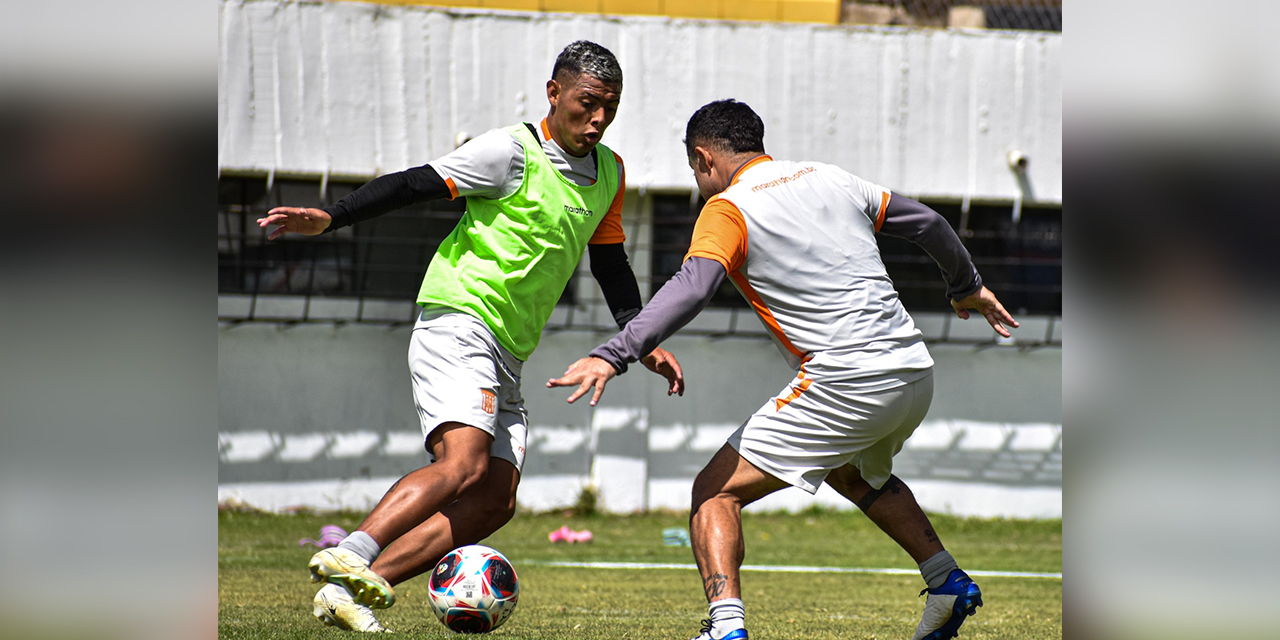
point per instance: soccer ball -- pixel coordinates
(473, 589)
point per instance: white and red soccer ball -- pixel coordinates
(474, 589)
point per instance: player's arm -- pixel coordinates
(612, 270)
(676, 304)
(718, 246)
(387, 193)
(678, 301)
(609, 264)
(379, 196)
(484, 167)
(621, 292)
(913, 221)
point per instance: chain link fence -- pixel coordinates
(371, 272)
(1036, 15)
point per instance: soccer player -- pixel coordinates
(798, 241)
(537, 197)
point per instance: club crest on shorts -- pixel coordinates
(488, 401)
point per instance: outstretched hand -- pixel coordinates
(593, 373)
(661, 362)
(304, 221)
(985, 302)
(587, 373)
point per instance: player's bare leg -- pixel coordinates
(952, 595)
(462, 462)
(893, 508)
(726, 485)
(475, 516)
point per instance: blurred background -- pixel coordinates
(1172, 131)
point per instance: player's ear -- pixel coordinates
(702, 160)
(553, 93)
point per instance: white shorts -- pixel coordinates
(813, 427)
(461, 374)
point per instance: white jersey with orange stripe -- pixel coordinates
(798, 241)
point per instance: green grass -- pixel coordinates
(263, 590)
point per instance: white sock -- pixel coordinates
(726, 616)
(936, 569)
(361, 544)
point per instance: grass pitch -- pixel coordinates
(263, 590)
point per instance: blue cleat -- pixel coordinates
(736, 634)
(947, 606)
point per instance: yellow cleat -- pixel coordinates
(349, 571)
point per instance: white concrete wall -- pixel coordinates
(321, 415)
(360, 89)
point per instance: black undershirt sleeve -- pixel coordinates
(611, 269)
(387, 193)
(912, 221)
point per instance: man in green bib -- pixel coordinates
(538, 197)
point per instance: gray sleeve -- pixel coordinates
(489, 165)
(912, 221)
(673, 306)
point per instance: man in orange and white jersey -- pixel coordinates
(798, 241)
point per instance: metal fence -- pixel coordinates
(371, 272)
(1035, 15)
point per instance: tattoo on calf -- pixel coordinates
(715, 584)
(894, 485)
(930, 535)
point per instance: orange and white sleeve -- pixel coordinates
(610, 229)
(720, 234)
(876, 198)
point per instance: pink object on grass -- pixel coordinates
(565, 534)
(330, 536)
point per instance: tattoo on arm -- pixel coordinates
(894, 485)
(930, 535)
(714, 584)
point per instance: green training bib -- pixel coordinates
(508, 260)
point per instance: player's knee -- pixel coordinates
(704, 491)
(473, 474)
(715, 478)
(465, 474)
(499, 509)
(699, 495)
(848, 482)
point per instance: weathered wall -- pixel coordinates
(362, 89)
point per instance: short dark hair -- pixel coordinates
(727, 124)
(586, 57)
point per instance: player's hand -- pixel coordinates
(661, 362)
(587, 373)
(304, 221)
(985, 302)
